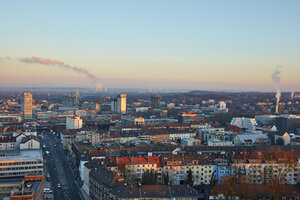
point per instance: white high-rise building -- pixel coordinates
(119, 105)
(26, 105)
(73, 123)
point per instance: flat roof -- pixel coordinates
(27, 154)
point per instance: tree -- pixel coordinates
(213, 180)
(166, 178)
(276, 188)
(149, 178)
(246, 188)
(280, 141)
(179, 140)
(227, 187)
(223, 118)
(189, 179)
(130, 177)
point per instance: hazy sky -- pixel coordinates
(152, 44)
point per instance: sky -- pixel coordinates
(187, 44)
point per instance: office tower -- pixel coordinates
(122, 103)
(26, 105)
(155, 101)
(119, 105)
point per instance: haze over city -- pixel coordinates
(205, 45)
(150, 99)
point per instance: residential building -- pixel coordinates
(73, 122)
(7, 142)
(107, 185)
(262, 167)
(248, 139)
(242, 122)
(177, 167)
(29, 143)
(285, 137)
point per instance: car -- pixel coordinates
(58, 185)
(47, 191)
(48, 177)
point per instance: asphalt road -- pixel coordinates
(59, 170)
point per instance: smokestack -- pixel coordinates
(292, 96)
(276, 82)
(98, 87)
(49, 62)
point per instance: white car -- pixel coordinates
(58, 185)
(47, 191)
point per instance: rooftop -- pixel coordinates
(28, 154)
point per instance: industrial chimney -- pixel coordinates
(292, 95)
(276, 108)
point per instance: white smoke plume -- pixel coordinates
(48, 62)
(276, 82)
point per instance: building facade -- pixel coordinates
(26, 105)
(73, 123)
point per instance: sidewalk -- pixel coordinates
(85, 195)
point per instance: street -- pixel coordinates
(59, 169)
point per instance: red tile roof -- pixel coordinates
(129, 160)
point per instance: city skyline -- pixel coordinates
(171, 44)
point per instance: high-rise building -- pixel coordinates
(155, 101)
(122, 99)
(119, 105)
(114, 106)
(26, 105)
